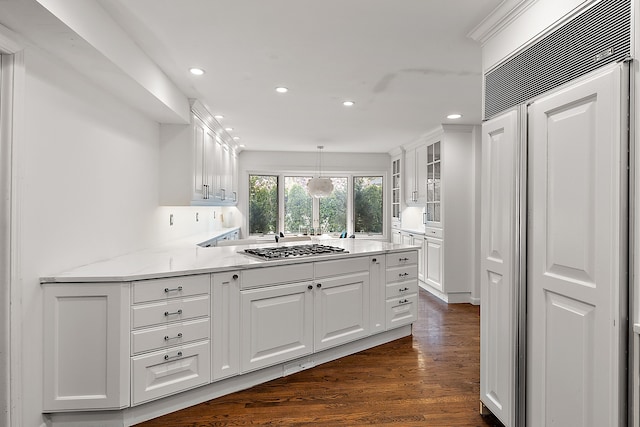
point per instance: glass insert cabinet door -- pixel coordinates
(432, 211)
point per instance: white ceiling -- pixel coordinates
(405, 63)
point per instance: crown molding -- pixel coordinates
(9, 41)
(501, 17)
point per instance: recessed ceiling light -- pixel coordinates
(454, 116)
(241, 145)
(348, 103)
(228, 129)
(196, 71)
(235, 138)
(282, 89)
(218, 117)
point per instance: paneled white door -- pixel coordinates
(577, 249)
(498, 293)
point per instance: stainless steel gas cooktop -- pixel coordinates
(297, 251)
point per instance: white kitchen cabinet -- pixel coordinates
(341, 300)
(415, 175)
(225, 324)
(449, 212)
(284, 321)
(401, 289)
(197, 162)
(396, 236)
(433, 259)
(86, 337)
(170, 335)
(396, 190)
(277, 324)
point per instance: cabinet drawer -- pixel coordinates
(402, 311)
(402, 274)
(161, 373)
(160, 289)
(165, 336)
(257, 277)
(401, 289)
(433, 232)
(341, 266)
(402, 258)
(169, 311)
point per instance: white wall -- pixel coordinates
(86, 169)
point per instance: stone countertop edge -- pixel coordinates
(185, 258)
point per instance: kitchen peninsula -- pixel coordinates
(148, 333)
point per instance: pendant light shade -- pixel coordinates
(320, 187)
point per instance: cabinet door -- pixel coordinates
(421, 174)
(409, 183)
(209, 157)
(396, 237)
(341, 310)
(198, 159)
(498, 318)
(433, 267)
(225, 320)
(87, 362)
(577, 280)
(277, 324)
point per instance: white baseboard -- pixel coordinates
(450, 298)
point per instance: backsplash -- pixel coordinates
(175, 222)
(412, 218)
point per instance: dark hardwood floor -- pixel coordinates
(429, 379)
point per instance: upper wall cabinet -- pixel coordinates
(415, 175)
(198, 163)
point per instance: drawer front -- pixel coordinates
(258, 277)
(402, 274)
(170, 371)
(341, 266)
(161, 289)
(163, 312)
(161, 337)
(402, 258)
(401, 289)
(402, 311)
(433, 232)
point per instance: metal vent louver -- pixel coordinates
(598, 36)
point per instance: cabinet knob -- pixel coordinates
(235, 277)
(309, 287)
(319, 285)
(374, 260)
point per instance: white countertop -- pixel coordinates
(184, 257)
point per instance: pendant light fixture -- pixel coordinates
(320, 187)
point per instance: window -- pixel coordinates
(298, 205)
(333, 209)
(368, 212)
(263, 204)
(281, 202)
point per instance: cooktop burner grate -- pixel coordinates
(297, 251)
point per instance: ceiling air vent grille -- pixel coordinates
(598, 36)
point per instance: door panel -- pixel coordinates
(498, 281)
(577, 254)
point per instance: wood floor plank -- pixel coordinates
(431, 378)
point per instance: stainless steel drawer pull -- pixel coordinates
(167, 357)
(178, 289)
(403, 289)
(403, 274)
(167, 337)
(166, 313)
(403, 259)
(403, 301)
